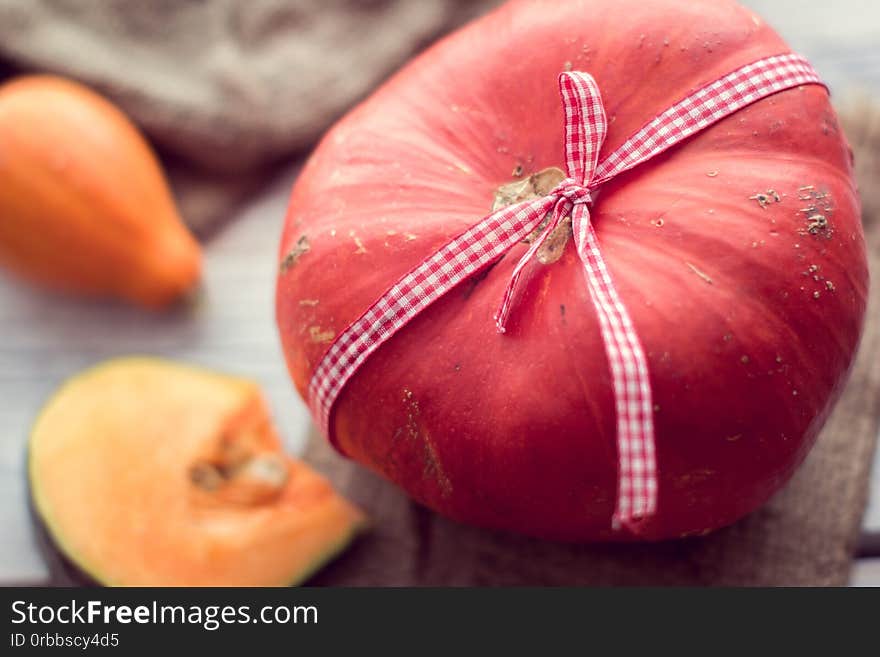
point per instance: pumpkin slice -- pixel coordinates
(147, 472)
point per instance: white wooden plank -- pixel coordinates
(47, 338)
(866, 572)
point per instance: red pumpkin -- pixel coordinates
(749, 306)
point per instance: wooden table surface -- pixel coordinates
(46, 338)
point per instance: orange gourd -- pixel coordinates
(84, 205)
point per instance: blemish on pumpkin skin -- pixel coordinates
(816, 223)
(694, 477)
(298, 251)
(432, 466)
(316, 334)
(699, 273)
(458, 166)
(817, 211)
(696, 533)
(358, 243)
(766, 198)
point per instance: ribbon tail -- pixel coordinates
(507, 301)
(637, 463)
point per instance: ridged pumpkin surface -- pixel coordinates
(749, 305)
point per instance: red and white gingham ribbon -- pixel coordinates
(490, 238)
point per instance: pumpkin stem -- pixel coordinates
(537, 185)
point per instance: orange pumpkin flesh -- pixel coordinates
(146, 472)
(84, 205)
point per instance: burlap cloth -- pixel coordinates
(225, 89)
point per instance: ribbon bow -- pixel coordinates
(585, 130)
(490, 238)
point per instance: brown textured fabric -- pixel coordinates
(224, 88)
(805, 535)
